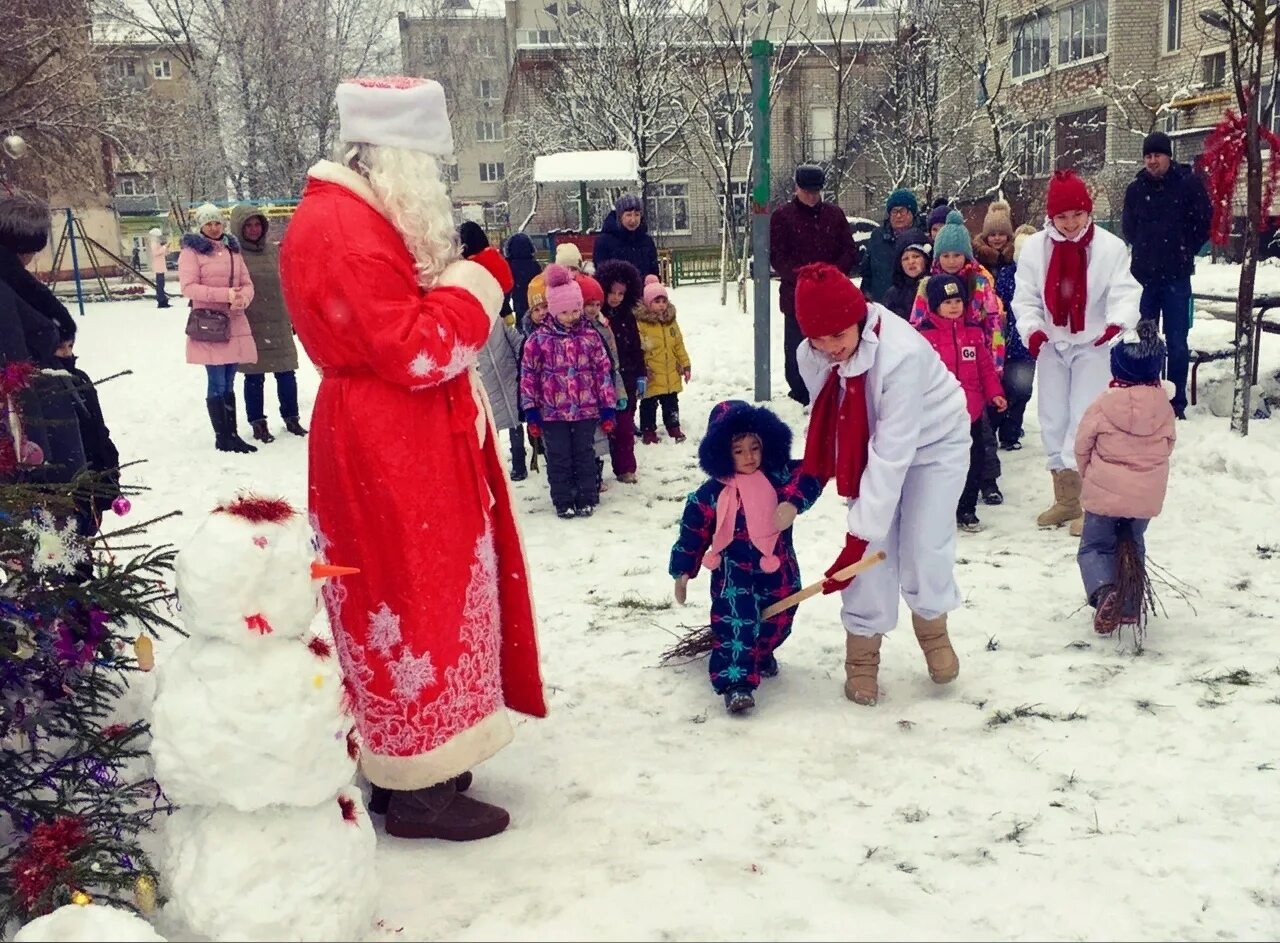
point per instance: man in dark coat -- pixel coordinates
(524, 266)
(803, 231)
(625, 236)
(901, 212)
(1166, 220)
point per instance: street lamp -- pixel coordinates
(1215, 19)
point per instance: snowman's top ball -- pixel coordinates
(92, 923)
(246, 572)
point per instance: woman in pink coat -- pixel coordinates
(1122, 449)
(213, 275)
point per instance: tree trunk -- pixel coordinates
(1241, 401)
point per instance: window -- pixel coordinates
(739, 202)
(451, 172)
(485, 89)
(1082, 140)
(537, 37)
(492, 171)
(822, 134)
(496, 216)
(161, 69)
(669, 207)
(435, 47)
(1031, 46)
(124, 68)
(1032, 146)
(134, 186)
(1082, 31)
(484, 46)
(488, 130)
(1213, 70)
(1169, 122)
(733, 117)
(1172, 25)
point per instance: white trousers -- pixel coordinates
(920, 548)
(1067, 381)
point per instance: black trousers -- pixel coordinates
(571, 463)
(990, 448)
(1019, 377)
(977, 463)
(670, 403)
(791, 338)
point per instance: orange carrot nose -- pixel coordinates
(324, 571)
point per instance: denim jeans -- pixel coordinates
(1171, 301)
(1097, 553)
(286, 393)
(222, 379)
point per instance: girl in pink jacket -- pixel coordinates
(1122, 449)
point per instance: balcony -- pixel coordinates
(136, 204)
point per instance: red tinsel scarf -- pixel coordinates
(1066, 282)
(1224, 154)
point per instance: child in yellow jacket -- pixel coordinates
(666, 362)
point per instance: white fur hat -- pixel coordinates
(568, 255)
(208, 213)
(396, 112)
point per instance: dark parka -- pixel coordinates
(1166, 221)
(626, 332)
(902, 295)
(800, 235)
(524, 268)
(879, 257)
(268, 317)
(630, 245)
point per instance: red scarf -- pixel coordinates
(1066, 283)
(833, 422)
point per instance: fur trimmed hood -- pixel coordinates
(649, 316)
(736, 417)
(620, 272)
(204, 245)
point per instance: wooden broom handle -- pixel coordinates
(848, 573)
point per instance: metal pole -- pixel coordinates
(584, 207)
(761, 50)
(75, 260)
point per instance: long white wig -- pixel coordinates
(411, 186)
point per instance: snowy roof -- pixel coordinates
(605, 168)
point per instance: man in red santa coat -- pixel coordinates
(436, 634)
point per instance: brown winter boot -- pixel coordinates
(441, 811)
(1066, 499)
(938, 653)
(861, 666)
(1077, 527)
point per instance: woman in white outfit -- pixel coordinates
(1073, 294)
(889, 423)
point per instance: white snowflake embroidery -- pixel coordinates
(384, 630)
(424, 365)
(57, 549)
(421, 365)
(411, 673)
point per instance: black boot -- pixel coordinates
(295, 427)
(443, 812)
(261, 432)
(218, 419)
(380, 797)
(233, 436)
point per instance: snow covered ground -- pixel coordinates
(1062, 788)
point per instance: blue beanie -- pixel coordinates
(953, 237)
(902, 198)
(628, 201)
(938, 215)
(942, 288)
(1139, 362)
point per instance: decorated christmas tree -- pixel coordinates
(76, 617)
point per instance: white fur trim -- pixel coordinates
(452, 758)
(476, 279)
(333, 172)
(1169, 389)
(408, 113)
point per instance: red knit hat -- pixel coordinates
(591, 290)
(1067, 192)
(826, 301)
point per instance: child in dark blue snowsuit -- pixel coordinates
(731, 526)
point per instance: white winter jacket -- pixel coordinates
(916, 409)
(1113, 292)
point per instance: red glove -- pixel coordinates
(608, 426)
(854, 548)
(535, 430)
(1111, 331)
(1035, 342)
(493, 263)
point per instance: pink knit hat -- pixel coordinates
(654, 289)
(563, 293)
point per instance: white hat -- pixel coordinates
(208, 213)
(569, 255)
(155, 231)
(395, 112)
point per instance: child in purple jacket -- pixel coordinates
(566, 389)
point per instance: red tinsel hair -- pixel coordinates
(348, 807)
(258, 510)
(319, 647)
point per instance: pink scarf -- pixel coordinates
(756, 496)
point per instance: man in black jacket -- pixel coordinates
(803, 231)
(1166, 221)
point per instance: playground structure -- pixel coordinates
(582, 169)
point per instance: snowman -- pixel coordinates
(252, 740)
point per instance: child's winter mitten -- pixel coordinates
(1111, 331)
(1035, 342)
(533, 419)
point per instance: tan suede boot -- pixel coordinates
(1066, 499)
(936, 645)
(861, 666)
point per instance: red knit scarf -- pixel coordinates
(1066, 283)
(837, 428)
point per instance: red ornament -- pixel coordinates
(44, 860)
(319, 647)
(256, 623)
(258, 510)
(348, 807)
(1224, 154)
(348, 696)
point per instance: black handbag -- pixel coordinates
(208, 324)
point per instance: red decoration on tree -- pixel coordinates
(256, 623)
(45, 859)
(1224, 154)
(258, 510)
(348, 807)
(319, 647)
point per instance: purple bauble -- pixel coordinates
(121, 506)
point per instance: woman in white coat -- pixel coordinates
(1073, 294)
(890, 425)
